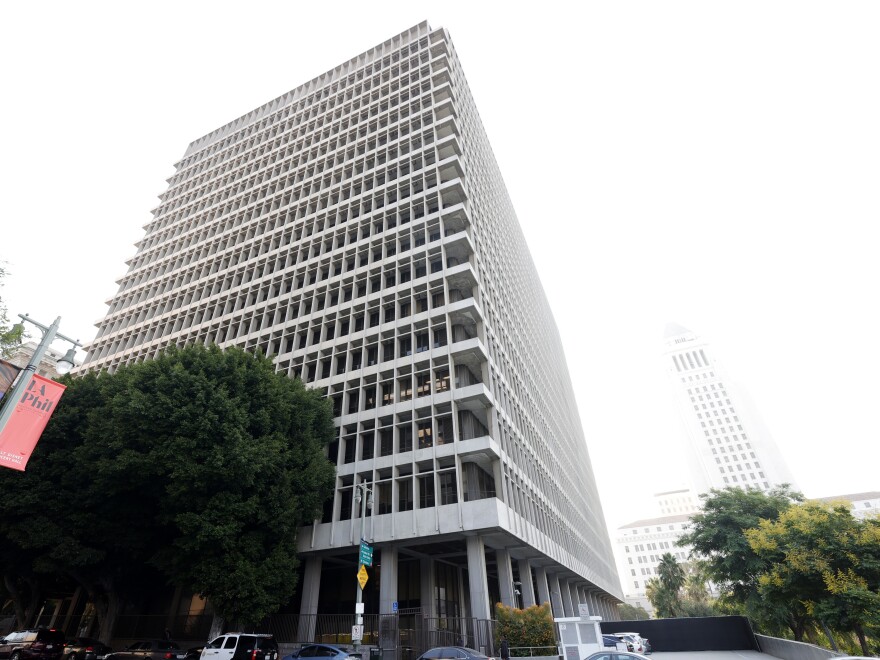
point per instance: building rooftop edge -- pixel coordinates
(681, 517)
(870, 495)
(420, 29)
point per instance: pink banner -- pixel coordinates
(31, 414)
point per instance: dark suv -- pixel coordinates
(85, 648)
(150, 649)
(38, 644)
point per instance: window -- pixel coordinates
(426, 491)
(424, 433)
(383, 499)
(404, 494)
(405, 437)
(405, 388)
(448, 492)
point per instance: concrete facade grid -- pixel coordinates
(358, 229)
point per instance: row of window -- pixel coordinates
(315, 104)
(248, 218)
(282, 182)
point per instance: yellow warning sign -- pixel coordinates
(362, 576)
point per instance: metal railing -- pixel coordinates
(533, 651)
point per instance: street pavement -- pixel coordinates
(710, 655)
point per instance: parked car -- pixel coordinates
(34, 644)
(85, 648)
(608, 654)
(633, 641)
(646, 645)
(150, 649)
(453, 653)
(610, 641)
(326, 651)
(241, 646)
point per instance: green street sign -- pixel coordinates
(366, 557)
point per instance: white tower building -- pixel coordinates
(358, 229)
(727, 443)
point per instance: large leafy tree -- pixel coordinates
(717, 537)
(632, 613)
(201, 463)
(43, 511)
(827, 561)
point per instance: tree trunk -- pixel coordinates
(17, 601)
(216, 626)
(25, 604)
(35, 599)
(860, 633)
(830, 637)
(811, 635)
(111, 612)
(102, 594)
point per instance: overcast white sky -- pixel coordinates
(709, 163)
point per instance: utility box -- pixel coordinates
(579, 636)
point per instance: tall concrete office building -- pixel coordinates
(358, 229)
(728, 444)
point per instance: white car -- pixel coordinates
(634, 641)
(616, 655)
(241, 646)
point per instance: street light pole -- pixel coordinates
(364, 497)
(49, 335)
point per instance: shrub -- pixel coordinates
(532, 626)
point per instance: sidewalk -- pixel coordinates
(710, 655)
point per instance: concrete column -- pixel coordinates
(556, 604)
(428, 583)
(311, 588)
(543, 587)
(565, 591)
(505, 578)
(388, 633)
(575, 599)
(591, 601)
(525, 576)
(388, 580)
(464, 605)
(478, 582)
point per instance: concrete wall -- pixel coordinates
(790, 650)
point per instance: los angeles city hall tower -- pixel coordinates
(358, 230)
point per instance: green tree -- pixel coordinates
(201, 463)
(664, 591)
(632, 613)
(523, 628)
(10, 336)
(44, 509)
(821, 557)
(695, 589)
(671, 573)
(717, 537)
